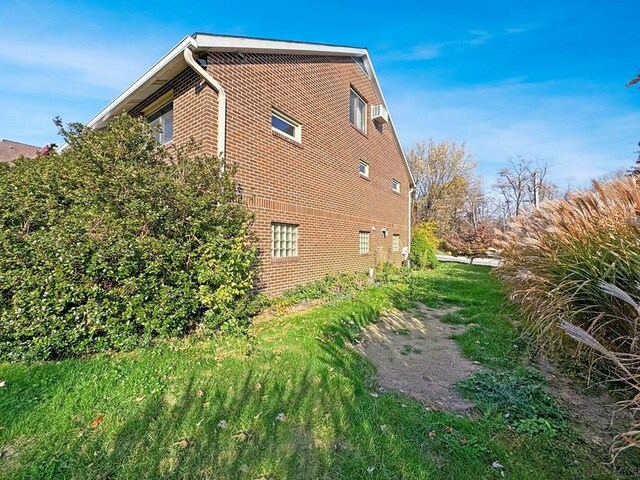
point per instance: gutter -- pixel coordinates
(409, 225)
(222, 99)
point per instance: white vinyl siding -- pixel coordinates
(364, 242)
(284, 240)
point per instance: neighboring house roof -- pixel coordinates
(173, 63)
(9, 150)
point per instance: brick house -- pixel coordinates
(319, 161)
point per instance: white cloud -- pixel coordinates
(582, 137)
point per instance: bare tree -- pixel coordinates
(522, 185)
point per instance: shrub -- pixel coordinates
(554, 263)
(116, 241)
(470, 241)
(327, 287)
(423, 247)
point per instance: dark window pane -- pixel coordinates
(283, 126)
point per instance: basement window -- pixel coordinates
(161, 122)
(395, 186)
(395, 244)
(364, 243)
(284, 240)
(286, 126)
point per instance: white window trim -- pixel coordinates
(395, 183)
(166, 100)
(364, 114)
(297, 126)
(366, 168)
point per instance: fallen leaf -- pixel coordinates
(374, 394)
(258, 386)
(463, 440)
(449, 429)
(139, 399)
(242, 436)
(184, 443)
(497, 464)
(80, 433)
(244, 468)
(281, 417)
(223, 424)
(3, 383)
(370, 469)
(432, 434)
(200, 393)
(97, 421)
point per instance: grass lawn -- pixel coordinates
(288, 401)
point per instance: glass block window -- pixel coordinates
(161, 122)
(284, 240)
(364, 242)
(395, 243)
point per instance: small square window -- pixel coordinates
(286, 126)
(284, 240)
(364, 243)
(161, 122)
(364, 168)
(357, 111)
(395, 186)
(395, 243)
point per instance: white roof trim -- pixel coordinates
(105, 113)
(221, 43)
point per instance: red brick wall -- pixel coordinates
(315, 184)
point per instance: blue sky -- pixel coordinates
(539, 79)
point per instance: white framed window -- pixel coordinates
(395, 243)
(284, 240)
(364, 242)
(161, 122)
(395, 185)
(286, 126)
(363, 168)
(357, 111)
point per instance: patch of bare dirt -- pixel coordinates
(414, 354)
(594, 412)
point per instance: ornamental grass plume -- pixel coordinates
(571, 266)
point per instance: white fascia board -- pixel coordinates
(376, 86)
(220, 43)
(176, 51)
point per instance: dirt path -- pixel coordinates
(414, 354)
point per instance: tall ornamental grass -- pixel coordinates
(573, 266)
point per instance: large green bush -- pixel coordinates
(117, 240)
(423, 247)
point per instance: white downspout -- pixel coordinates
(222, 100)
(409, 226)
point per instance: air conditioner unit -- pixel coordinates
(379, 114)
